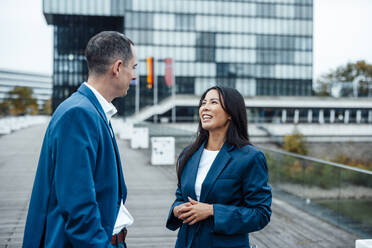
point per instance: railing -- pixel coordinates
(338, 193)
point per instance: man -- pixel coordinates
(79, 189)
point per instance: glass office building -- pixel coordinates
(260, 47)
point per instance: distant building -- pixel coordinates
(40, 84)
(261, 48)
(351, 89)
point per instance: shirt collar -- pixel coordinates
(107, 107)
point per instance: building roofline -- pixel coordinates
(25, 73)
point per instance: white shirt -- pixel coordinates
(205, 164)
(124, 218)
(107, 107)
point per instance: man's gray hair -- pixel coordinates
(106, 47)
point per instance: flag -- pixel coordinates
(168, 71)
(150, 71)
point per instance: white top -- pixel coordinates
(124, 218)
(205, 164)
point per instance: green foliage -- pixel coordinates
(295, 143)
(47, 107)
(350, 71)
(4, 108)
(20, 101)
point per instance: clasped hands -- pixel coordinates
(193, 211)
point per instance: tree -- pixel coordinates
(21, 102)
(357, 76)
(4, 108)
(47, 107)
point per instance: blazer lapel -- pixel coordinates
(84, 90)
(122, 185)
(220, 162)
(190, 172)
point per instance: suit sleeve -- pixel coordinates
(173, 222)
(256, 210)
(75, 147)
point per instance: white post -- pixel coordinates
(363, 243)
(284, 115)
(321, 116)
(296, 116)
(346, 120)
(332, 116)
(370, 116)
(358, 116)
(309, 116)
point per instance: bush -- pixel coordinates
(295, 143)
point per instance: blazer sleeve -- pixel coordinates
(173, 222)
(75, 148)
(255, 212)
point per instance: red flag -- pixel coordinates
(169, 71)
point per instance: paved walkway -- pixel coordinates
(151, 191)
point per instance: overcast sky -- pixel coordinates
(342, 33)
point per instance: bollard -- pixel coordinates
(162, 150)
(363, 243)
(140, 138)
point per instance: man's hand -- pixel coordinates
(195, 211)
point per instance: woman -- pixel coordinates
(222, 192)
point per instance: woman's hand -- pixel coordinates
(195, 211)
(177, 209)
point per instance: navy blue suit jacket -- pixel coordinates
(79, 182)
(237, 186)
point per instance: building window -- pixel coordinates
(265, 10)
(185, 22)
(205, 47)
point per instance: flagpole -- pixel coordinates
(174, 96)
(155, 89)
(137, 93)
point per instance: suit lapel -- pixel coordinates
(191, 171)
(84, 90)
(220, 162)
(122, 185)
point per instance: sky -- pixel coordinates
(341, 34)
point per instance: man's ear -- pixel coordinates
(116, 67)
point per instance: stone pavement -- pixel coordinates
(151, 191)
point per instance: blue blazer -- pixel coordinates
(237, 186)
(79, 182)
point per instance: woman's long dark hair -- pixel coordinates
(237, 133)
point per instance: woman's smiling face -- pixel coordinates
(212, 116)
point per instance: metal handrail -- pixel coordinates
(316, 160)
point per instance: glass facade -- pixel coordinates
(259, 47)
(71, 34)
